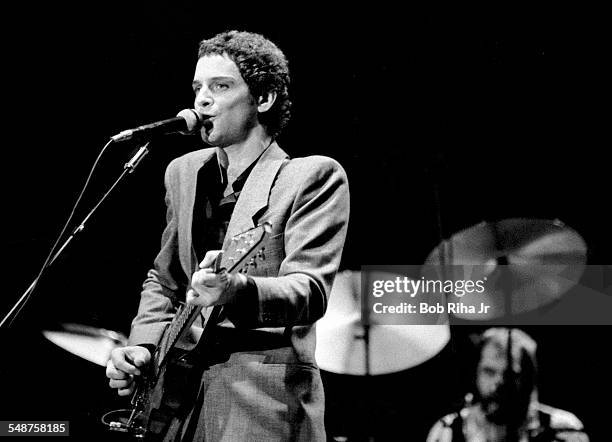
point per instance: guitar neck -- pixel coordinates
(182, 321)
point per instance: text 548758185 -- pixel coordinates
(34, 428)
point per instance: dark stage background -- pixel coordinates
(500, 109)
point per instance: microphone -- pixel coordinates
(186, 121)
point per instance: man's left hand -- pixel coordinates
(209, 288)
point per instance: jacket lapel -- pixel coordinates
(256, 191)
(188, 258)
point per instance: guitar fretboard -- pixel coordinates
(182, 320)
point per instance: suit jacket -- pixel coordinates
(270, 383)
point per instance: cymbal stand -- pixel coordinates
(365, 324)
(509, 378)
(445, 254)
(510, 393)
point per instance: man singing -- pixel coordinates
(264, 384)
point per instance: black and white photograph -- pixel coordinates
(306, 222)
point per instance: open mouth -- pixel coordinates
(207, 123)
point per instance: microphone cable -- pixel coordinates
(23, 301)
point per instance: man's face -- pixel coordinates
(491, 383)
(222, 94)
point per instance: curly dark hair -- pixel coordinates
(263, 67)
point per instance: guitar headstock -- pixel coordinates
(245, 249)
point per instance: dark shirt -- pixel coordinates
(212, 214)
(212, 211)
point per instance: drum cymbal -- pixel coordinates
(90, 343)
(528, 263)
(340, 336)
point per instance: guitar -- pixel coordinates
(171, 379)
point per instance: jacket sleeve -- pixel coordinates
(314, 237)
(161, 285)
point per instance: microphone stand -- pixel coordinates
(128, 168)
(365, 324)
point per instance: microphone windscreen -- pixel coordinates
(192, 119)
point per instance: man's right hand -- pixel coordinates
(123, 365)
